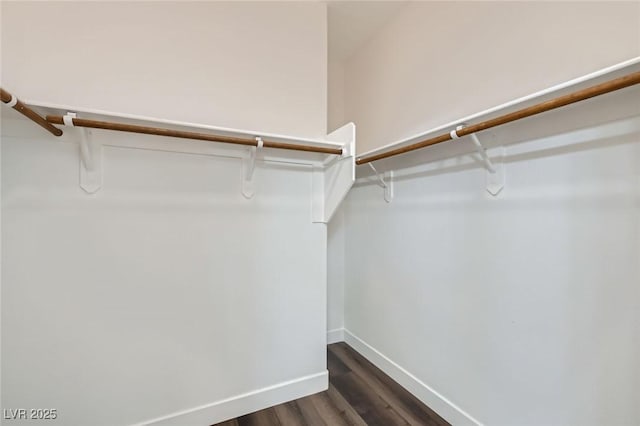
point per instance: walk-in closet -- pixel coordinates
(340, 213)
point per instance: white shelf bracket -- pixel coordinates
(495, 179)
(495, 173)
(386, 182)
(248, 167)
(332, 179)
(90, 157)
(483, 153)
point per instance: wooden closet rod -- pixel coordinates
(16, 104)
(580, 95)
(94, 124)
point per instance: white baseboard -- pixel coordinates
(334, 336)
(249, 402)
(438, 403)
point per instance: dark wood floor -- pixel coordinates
(359, 394)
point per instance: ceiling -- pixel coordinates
(353, 23)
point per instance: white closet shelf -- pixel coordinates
(330, 160)
(601, 76)
(50, 109)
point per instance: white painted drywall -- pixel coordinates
(166, 292)
(336, 257)
(437, 61)
(335, 95)
(335, 228)
(256, 65)
(352, 23)
(518, 310)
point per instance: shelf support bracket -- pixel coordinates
(495, 179)
(494, 176)
(495, 173)
(332, 178)
(386, 182)
(248, 168)
(90, 157)
(483, 153)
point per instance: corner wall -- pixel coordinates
(166, 297)
(336, 264)
(520, 310)
(516, 310)
(438, 61)
(335, 228)
(246, 65)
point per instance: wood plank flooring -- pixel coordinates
(359, 394)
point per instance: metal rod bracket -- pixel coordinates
(479, 148)
(495, 178)
(12, 102)
(90, 158)
(483, 154)
(386, 182)
(248, 168)
(495, 174)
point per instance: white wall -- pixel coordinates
(335, 228)
(256, 65)
(166, 291)
(520, 310)
(435, 62)
(335, 95)
(336, 257)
